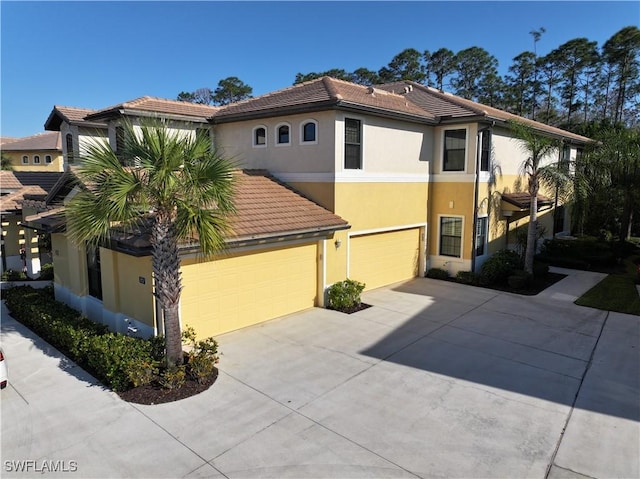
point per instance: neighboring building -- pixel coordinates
(411, 177)
(41, 152)
(16, 188)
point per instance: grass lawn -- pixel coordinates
(617, 292)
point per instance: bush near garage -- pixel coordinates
(437, 273)
(345, 295)
(467, 277)
(498, 268)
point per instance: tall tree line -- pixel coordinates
(576, 83)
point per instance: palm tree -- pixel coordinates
(176, 182)
(537, 148)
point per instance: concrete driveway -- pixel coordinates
(435, 380)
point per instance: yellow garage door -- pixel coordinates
(384, 258)
(245, 289)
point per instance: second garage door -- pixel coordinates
(384, 258)
(245, 289)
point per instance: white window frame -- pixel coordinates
(302, 125)
(36, 159)
(48, 160)
(25, 159)
(466, 151)
(440, 236)
(277, 134)
(486, 236)
(253, 136)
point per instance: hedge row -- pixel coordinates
(120, 362)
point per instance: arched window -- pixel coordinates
(260, 136)
(308, 132)
(282, 135)
(25, 160)
(47, 159)
(36, 159)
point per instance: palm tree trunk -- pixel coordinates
(531, 233)
(166, 269)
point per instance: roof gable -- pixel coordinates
(323, 93)
(147, 104)
(39, 142)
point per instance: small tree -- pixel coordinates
(174, 181)
(537, 147)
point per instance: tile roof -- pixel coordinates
(13, 201)
(7, 139)
(45, 180)
(523, 200)
(322, 92)
(71, 115)
(455, 107)
(41, 141)
(157, 105)
(266, 207)
(8, 181)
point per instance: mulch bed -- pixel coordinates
(354, 309)
(155, 394)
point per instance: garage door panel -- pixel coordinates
(241, 290)
(384, 258)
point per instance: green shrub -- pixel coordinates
(519, 280)
(203, 356)
(345, 294)
(118, 361)
(142, 373)
(46, 272)
(466, 277)
(437, 273)
(499, 267)
(173, 377)
(12, 275)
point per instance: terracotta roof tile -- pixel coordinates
(45, 180)
(448, 105)
(41, 141)
(158, 105)
(266, 207)
(13, 201)
(523, 200)
(71, 115)
(8, 181)
(325, 91)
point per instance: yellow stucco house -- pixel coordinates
(375, 184)
(41, 152)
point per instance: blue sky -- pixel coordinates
(95, 54)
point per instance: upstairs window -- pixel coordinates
(69, 141)
(25, 160)
(47, 159)
(485, 150)
(260, 136)
(352, 144)
(308, 132)
(455, 149)
(36, 159)
(282, 133)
